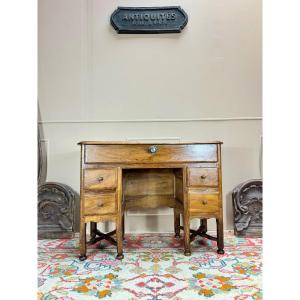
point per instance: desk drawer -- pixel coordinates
(206, 203)
(100, 179)
(203, 177)
(99, 204)
(161, 153)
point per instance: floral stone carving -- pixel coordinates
(248, 208)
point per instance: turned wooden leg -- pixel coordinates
(203, 226)
(187, 244)
(123, 227)
(177, 223)
(220, 236)
(119, 235)
(82, 241)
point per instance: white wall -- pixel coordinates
(202, 84)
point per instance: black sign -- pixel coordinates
(165, 19)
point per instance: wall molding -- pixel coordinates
(217, 119)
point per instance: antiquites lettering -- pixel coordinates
(170, 19)
(147, 17)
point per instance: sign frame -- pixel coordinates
(149, 20)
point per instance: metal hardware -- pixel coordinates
(152, 149)
(100, 205)
(204, 201)
(203, 176)
(100, 179)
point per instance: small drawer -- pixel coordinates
(100, 204)
(206, 203)
(100, 179)
(203, 177)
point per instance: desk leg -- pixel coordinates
(123, 227)
(220, 236)
(186, 215)
(82, 240)
(119, 234)
(93, 229)
(177, 223)
(187, 243)
(203, 225)
(119, 217)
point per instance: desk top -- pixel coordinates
(143, 143)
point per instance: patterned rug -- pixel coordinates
(154, 268)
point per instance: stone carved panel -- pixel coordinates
(57, 217)
(248, 208)
(58, 204)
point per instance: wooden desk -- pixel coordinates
(120, 175)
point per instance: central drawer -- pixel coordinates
(146, 153)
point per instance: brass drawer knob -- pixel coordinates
(203, 176)
(100, 205)
(100, 179)
(204, 201)
(152, 149)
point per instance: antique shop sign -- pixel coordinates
(165, 19)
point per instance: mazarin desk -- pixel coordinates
(119, 175)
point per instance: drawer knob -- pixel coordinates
(203, 176)
(204, 201)
(152, 149)
(100, 205)
(100, 179)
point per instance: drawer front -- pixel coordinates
(150, 153)
(100, 179)
(203, 177)
(100, 204)
(206, 203)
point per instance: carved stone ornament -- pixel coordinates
(58, 204)
(248, 208)
(56, 210)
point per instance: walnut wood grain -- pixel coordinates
(140, 153)
(145, 143)
(186, 215)
(120, 214)
(116, 176)
(203, 202)
(100, 179)
(149, 201)
(203, 177)
(100, 218)
(148, 182)
(99, 204)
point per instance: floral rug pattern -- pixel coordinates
(153, 268)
